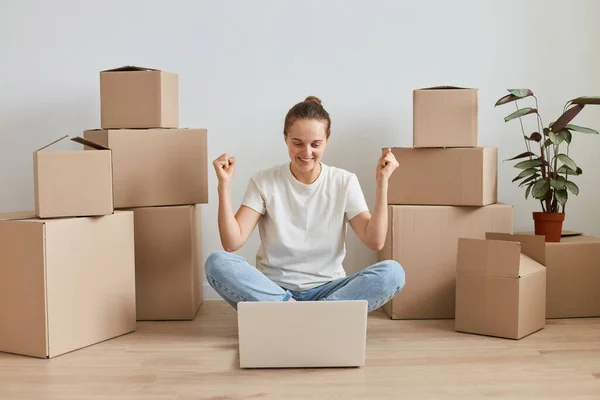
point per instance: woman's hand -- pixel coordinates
(224, 167)
(386, 165)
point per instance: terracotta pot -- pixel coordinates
(549, 224)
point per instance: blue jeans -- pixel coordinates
(235, 280)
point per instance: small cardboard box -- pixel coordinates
(445, 116)
(73, 183)
(424, 240)
(65, 283)
(138, 97)
(168, 266)
(458, 177)
(501, 285)
(156, 167)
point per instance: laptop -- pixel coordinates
(302, 334)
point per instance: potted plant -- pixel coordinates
(547, 176)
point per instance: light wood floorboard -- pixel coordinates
(405, 359)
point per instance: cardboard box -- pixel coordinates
(445, 116)
(156, 167)
(501, 285)
(424, 240)
(138, 97)
(457, 177)
(168, 266)
(65, 283)
(73, 183)
(572, 275)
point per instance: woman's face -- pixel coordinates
(306, 141)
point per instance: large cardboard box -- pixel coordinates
(156, 167)
(424, 240)
(572, 276)
(168, 266)
(138, 97)
(73, 183)
(457, 177)
(445, 116)
(65, 283)
(501, 285)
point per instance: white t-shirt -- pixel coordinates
(303, 227)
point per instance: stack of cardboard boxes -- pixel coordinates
(115, 235)
(160, 173)
(455, 240)
(445, 188)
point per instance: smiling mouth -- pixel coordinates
(305, 159)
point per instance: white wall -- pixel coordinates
(243, 64)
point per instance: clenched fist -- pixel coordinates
(386, 165)
(224, 166)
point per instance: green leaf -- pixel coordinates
(581, 129)
(540, 189)
(548, 143)
(565, 159)
(563, 169)
(528, 190)
(529, 179)
(558, 183)
(527, 172)
(586, 100)
(557, 138)
(520, 112)
(522, 155)
(561, 196)
(567, 116)
(529, 163)
(567, 134)
(572, 187)
(520, 92)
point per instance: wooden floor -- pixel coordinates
(405, 359)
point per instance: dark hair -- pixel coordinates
(310, 108)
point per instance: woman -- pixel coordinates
(301, 209)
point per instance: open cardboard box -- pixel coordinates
(501, 285)
(73, 183)
(138, 97)
(445, 116)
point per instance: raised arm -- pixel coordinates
(372, 229)
(234, 230)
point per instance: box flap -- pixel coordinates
(50, 144)
(15, 215)
(77, 139)
(89, 143)
(490, 257)
(533, 246)
(129, 68)
(528, 266)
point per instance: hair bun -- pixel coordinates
(313, 99)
